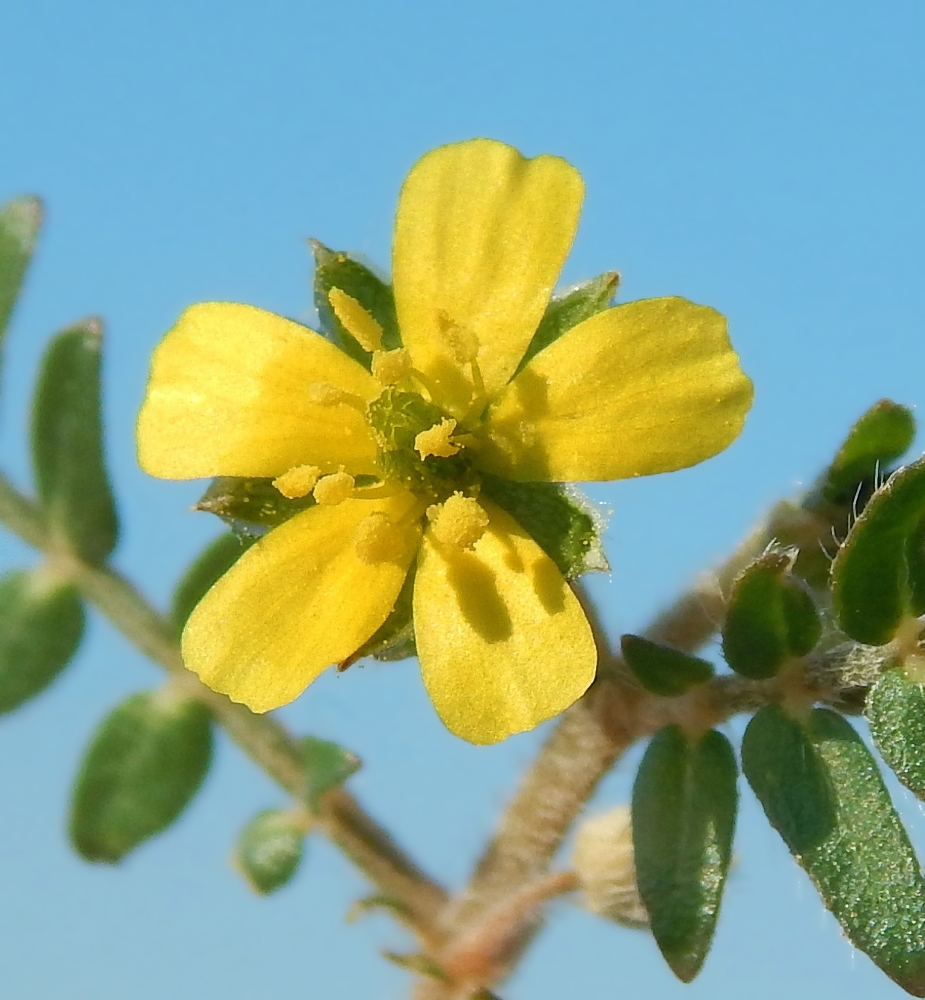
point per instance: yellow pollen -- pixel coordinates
(463, 343)
(333, 489)
(378, 540)
(436, 440)
(356, 320)
(460, 522)
(325, 394)
(390, 367)
(297, 482)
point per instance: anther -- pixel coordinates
(390, 367)
(356, 320)
(333, 489)
(326, 394)
(462, 342)
(297, 482)
(459, 522)
(436, 440)
(378, 540)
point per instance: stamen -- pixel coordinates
(378, 540)
(333, 489)
(297, 482)
(390, 367)
(326, 394)
(462, 342)
(436, 440)
(356, 320)
(460, 522)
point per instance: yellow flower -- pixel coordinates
(480, 237)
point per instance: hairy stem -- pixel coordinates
(418, 899)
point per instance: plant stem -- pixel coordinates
(419, 899)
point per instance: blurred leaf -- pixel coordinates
(67, 443)
(684, 810)
(882, 435)
(560, 520)
(878, 579)
(20, 221)
(770, 617)
(212, 564)
(852, 845)
(420, 965)
(335, 269)
(143, 766)
(896, 713)
(269, 850)
(326, 765)
(41, 624)
(571, 307)
(661, 669)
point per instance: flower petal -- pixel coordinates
(228, 395)
(502, 640)
(480, 237)
(646, 387)
(298, 601)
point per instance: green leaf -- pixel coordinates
(20, 221)
(41, 624)
(896, 713)
(878, 576)
(336, 269)
(326, 766)
(771, 617)
(560, 520)
(247, 504)
(571, 307)
(269, 850)
(853, 846)
(661, 669)
(213, 563)
(143, 766)
(882, 435)
(67, 443)
(684, 810)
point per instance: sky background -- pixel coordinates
(764, 159)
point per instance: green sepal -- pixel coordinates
(325, 766)
(20, 221)
(770, 617)
(661, 669)
(250, 504)
(41, 625)
(821, 789)
(882, 435)
(394, 639)
(571, 307)
(563, 522)
(336, 269)
(144, 764)
(896, 714)
(684, 811)
(878, 575)
(269, 850)
(67, 443)
(212, 563)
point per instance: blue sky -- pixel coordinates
(762, 159)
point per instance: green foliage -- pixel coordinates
(571, 307)
(67, 443)
(896, 713)
(821, 789)
(878, 576)
(684, 811)
(41, 624)
(20, 221)
(269, 850)
(213, 563)
(336, 269)
(770, 617)
(326, 766)
(143, 766)
(661, 669)
(559, 519)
